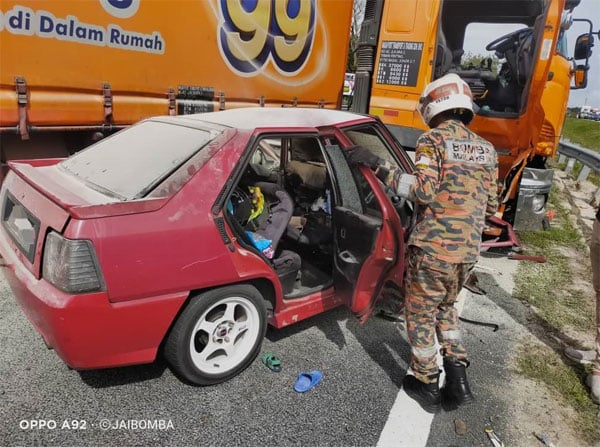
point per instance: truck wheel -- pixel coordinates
(218, 335)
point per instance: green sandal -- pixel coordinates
(271, 361)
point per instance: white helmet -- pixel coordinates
(449, 92)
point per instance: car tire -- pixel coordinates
(218, 334)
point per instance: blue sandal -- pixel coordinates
(307, 381)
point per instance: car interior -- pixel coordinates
(292, 177)
(298, 200)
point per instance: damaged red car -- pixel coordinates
(185, 236)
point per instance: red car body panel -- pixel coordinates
(292, 311)
(157, 251)
(87, 331)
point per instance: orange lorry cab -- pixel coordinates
(519, 75)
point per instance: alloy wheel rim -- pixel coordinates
(224, 335)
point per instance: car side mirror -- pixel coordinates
(583, 46)
(580, 77)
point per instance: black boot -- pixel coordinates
(426, 394)
(455, 391)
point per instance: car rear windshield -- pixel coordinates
(131, 162)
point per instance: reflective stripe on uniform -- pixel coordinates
(451, 335)
(424, 352)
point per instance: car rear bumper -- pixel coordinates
(87, 331)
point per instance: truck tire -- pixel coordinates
(218, 335)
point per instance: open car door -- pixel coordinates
(369, 249)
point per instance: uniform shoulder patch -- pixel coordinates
(469, 151)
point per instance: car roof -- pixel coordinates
(255, 117)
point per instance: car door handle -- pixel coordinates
(348, 257)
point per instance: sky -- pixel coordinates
(589, 9)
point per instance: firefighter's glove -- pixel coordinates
(405, 184)
(358, 155)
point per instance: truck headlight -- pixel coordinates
(71, 265)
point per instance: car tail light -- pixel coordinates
(71, 265)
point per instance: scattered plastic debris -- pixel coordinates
(493, 437)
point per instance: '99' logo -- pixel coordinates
(121, 8)
(254, 30)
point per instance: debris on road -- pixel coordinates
(520, 257)
(472, 285)
(494, 326)
(495, 440)
(516, 255)
(544, 440)
(460, 427)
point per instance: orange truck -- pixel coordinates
(512, 53)
(74, 71)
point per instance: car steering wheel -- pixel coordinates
(503, 43)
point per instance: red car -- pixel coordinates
(188, 235)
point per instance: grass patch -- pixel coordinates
(541, 364)
(546, 287)
(549, 286)
(586, 133)
(550, 289)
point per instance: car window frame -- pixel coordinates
(396, 154)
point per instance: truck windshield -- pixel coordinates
(496, 64)
(131, 162)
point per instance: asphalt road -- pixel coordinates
(362, 367)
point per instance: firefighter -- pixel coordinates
(454, 186)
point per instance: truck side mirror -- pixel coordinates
(580, 77)
(583, 46)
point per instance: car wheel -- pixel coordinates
(218, 335)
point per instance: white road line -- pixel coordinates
(408, 424)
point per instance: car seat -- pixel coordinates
(272, 224)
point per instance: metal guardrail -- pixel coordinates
(587, 157)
